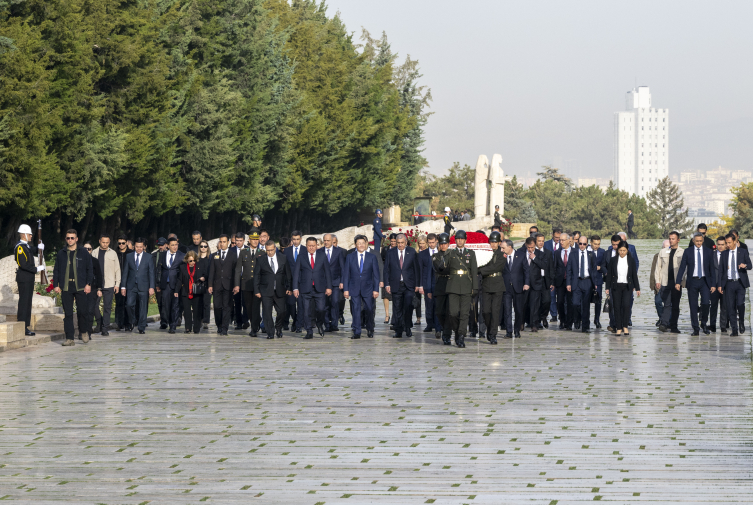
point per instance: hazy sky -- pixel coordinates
(535, 80)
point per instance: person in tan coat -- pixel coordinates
(667, 265)
(652, 283)
(110, 265)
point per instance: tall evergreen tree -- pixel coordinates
(742, 209)
(666, 200)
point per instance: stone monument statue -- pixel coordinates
(489, 186)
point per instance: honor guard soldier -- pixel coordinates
(462, 283)
(439, 263)
(447, 221)
(497, 216)
(25, 275)
(244, 281)
(493, 287)
(378, 235)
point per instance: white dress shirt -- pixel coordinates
(622, 270)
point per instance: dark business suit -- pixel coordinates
(734, 288)
(240, 315)
(428, 280)
(273, 286)
(698, 282)
(167, 279)
(516, 277)
(222, 282)
(361, 281)
(192, 304)
(717, 298)
(621, 293)
(581, 275)
(311, 284)
(336, 261)
(402, 283)
(539, 295)
(598, 282)
(552, 246)
(564, 297)
(137, 282)
(295, 305)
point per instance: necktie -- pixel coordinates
(169, 265)
(273, 265)
(329, 256)
(138, 260)
(582, 264)
(312, 268)
(401, 260)
(698, 262)
(734, 266)
(295, 255)
(360, 267)
(565, 263)
(223, 255)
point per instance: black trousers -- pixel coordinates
(279, 305)
(295, 311)
(170, 310)
(25, 294)
(734, 293)
(473, 313)
(206, 307)
(82, 312)
(441, 309)
(533, 306)
(223, 299)
(137, 313)
(697, 287)
(514, 304)
(342, 303)
(192, 309)
(621, 304)
(718, 303)
(92, 301)
(103, 317)
(120, 310)
(491, 305)
(362, 310)
(314, 305)
(429, 310)
(458, 313)
(253, 310)
(671, 298)
(581, 296)
(240, 312)
(546, 299)
(598, 291)
(402, 302)
(332, 313)
(565, 307)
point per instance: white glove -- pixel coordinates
(40, 247)
(41, 268)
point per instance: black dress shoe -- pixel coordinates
(342, 320)
(437, 334)
(129, 330)
(428, 329)
(712, 328)
(724, 330)
(695, 333)
(162, 326)
(585, 330)
(320, 329)
(298, 330)
(562, 326)
(334, 328)
(705, 329)
(224, 333)
(577, 325)
(663, 328)
(29, 333)
(219, 331)
(140, 331)
(187, 331)
(517, 334)
(370, 334)
(597, 324)
(238, 327)
(742, 327)
(675, 330)
(544, 323)
(408, 333)
(245, 326)
(493, 340)
(286, 327)
(554, 319)
(171, 330)
(308, 336)
(658, 323)
(508, 335)
(460, 342)
(270, 337)
(630, 323)
(105, 333)
(252, 334)
(397, 335)
(279, 334)
(446, 341)
(356, 337)
(535, 329)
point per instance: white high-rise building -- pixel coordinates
(641, 141)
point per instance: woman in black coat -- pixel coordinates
(204, 261)
(621, 280)
(191, 274)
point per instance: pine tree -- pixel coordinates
(553, 174)
(666, 200)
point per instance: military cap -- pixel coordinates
(495, 237)
(254, 235)
(378, 211)
(461, 234)
(256, 217)
(161, 241)
(443, 238)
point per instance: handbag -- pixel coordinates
(199, 287)
(607, 305)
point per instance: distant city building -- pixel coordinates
(601, 182)
(709, 190)
(641, 141)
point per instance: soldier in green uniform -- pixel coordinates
(244, 280)
(497, 216)
(439, 263)
(25, 275)
(461, 286)
(493, 287)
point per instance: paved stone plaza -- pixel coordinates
(558, 417)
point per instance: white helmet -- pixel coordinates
(24, 228)
(447, 209)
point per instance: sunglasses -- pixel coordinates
(121, 243)
(203, 246)
(88, 249)
(191, 261)
(70, 238)
(583, 243)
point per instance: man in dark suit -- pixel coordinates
(361, 282)
(630, 224)
(221, 283)
(295, 305)
(564, 297)
(273, 280)
(553, 245)
(699, 262)
(402, 275)
(733, 281)
(536, 278)
(516, 287)
(546, 262)
(707, 241)
(312, 281)
(245, 269)
(137, 284)
(601, 270)
(240, 316)
(717, 298)
(428, 280)
(168, 271)
(581, 272)
(336, 260)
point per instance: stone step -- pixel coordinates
(11, 333)
(2, 318)
(10, 312)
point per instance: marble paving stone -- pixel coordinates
(556, 417)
